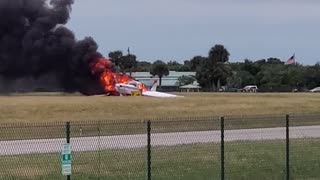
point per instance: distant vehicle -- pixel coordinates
(251, 88)
(317, 89)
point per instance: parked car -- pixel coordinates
(251, 88)
(317, 89)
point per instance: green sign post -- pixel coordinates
(66, 159)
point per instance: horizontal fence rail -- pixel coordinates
(234, 147)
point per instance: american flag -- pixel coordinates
(291, 60)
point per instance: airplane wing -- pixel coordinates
(101, 95)
(158, 94)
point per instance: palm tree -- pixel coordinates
(160, 69)
(218, 53)
(217, 62)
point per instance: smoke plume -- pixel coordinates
(35, 44)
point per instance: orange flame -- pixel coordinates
(109, 78)
(142, 87)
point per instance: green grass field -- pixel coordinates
(58, 107)
(30, 116)
(244, 160)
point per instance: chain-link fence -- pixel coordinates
(255, 147)
(247, 147)
(304, 147)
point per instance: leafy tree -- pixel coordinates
(251, 67)
(241, 79)
(274, 61)
(115, 57)
(260, 62)
(174, 66)
(236, 66)
(294, 77)
(184, 68)
(187, 63)
(268, 74)
(312, 76)
(203, 78)
(143, 66)
(214, 70)
(272, 77)
(221, 72)
(160, 69)
(196, 61)
(123, 63)
(128, 62)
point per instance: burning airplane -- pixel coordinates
(121, 84)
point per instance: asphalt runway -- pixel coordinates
(82, 144)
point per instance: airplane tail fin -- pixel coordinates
(154, 86)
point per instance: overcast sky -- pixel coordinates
(180, 29)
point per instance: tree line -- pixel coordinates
(215, 70)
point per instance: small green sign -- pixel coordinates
(66, 159)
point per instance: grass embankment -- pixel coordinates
(244, 160)
(53, 108)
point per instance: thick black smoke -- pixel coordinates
(35, 44)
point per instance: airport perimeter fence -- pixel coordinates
(247, 147)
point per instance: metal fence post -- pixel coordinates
(222, 147)
(287, 149)
(99, 142)
(68, 141)
(149, 150)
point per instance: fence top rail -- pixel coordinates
(261, 116)
(183, 119)
(187, 119)
(31, 124)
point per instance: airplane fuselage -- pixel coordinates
(132, 87)
(127, 89)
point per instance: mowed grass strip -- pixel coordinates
(244, 160)
(59, 108)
